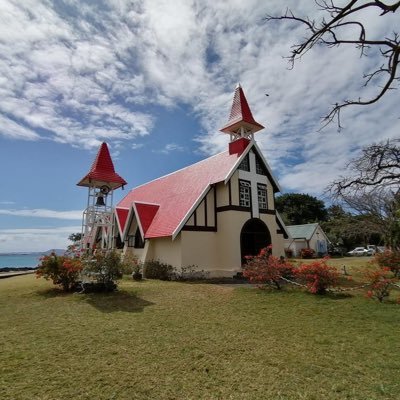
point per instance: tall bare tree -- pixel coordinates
(378, 166)
(380, 209)
(333, 31)
(372, 189)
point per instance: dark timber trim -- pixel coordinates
(233, 208)
(195, 218)
(230, 192)
(270, 212)
(281, 229)
(215, 207)
(200, 228)
(205, 209)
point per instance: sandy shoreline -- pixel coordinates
(10, 274)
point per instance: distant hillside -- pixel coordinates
(58, 252)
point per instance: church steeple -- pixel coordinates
(102, 171)
(241, 122)
(98, 217)
(241, 125)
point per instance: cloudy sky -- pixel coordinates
(155, 80)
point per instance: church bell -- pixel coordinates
(100, 200)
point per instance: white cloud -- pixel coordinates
(38, 239)
(42, 213)
(87, 72)
(11, 129)
(170, 147)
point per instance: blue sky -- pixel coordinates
(155, 80)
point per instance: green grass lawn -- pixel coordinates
(170, 340)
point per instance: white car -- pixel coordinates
(358, 251)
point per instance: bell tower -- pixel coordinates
(98, 217)
(241, 125)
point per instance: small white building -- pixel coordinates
(307, 236)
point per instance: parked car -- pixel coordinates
(358, 251)
(372, 249)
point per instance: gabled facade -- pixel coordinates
(307, 236)
(210, 214)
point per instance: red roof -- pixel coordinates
(146, 213)
(176, 194)
(102, 171)
(122, 217)
(240, 114)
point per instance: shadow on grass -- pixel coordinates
(119, 300)
(116, 301)
(52, 292)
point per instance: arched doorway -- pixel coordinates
(254, 236)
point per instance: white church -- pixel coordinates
(210, 214)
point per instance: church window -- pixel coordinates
(244, 194)
(131, 241)
(262, 196)
(139, 242)
(119, 244)
(260, 169)
(245, 165)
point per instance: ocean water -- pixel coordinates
(19, 260)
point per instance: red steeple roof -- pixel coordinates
(102, 171)
(241, 114)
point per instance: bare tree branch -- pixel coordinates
(378, 166)
(328, 33)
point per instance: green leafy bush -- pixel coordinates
(155, 269)
(104, 267)
(62, 270)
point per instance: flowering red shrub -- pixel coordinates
(389, 259)
(307, 253)
(380, 281)
(266, 268)
(318, 276)
(62, 270)
(288, 253)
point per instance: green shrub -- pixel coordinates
(105, 267)
(155, 269)
(191, 273)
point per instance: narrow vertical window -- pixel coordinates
(244, 194)
(260, 170)
(262, 196)
(245, 165)
(139, 242)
